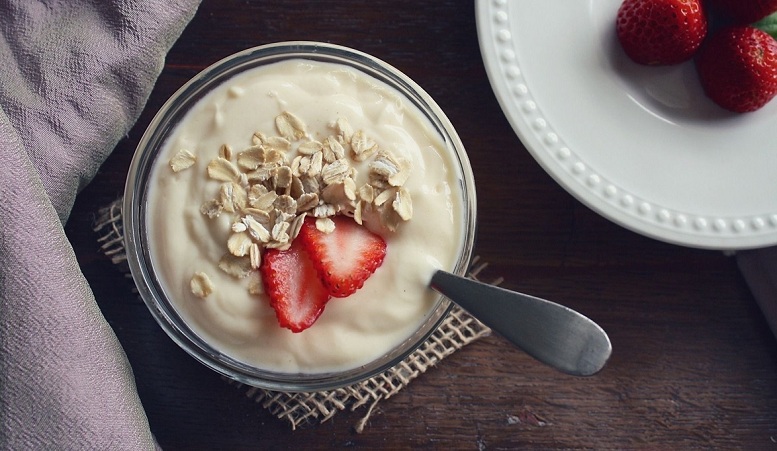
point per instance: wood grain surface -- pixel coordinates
(694, 364)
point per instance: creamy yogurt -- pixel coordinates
(351, 331)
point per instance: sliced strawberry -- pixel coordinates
(661, 32)
(344, 258)
(295, 290)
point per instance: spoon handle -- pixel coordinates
(551, 333)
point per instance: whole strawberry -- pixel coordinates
(738, 68)
(743, 12)
(661, 32)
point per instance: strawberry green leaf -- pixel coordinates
(768, 24)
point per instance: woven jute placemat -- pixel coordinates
(457, 330)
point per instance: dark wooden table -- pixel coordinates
(694, 363)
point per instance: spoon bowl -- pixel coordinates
(551, 333)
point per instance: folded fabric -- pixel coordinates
(74, 78)
(759, 267)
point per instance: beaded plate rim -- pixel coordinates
(569, 168)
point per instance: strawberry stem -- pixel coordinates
(768, 24)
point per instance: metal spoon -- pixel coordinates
(551, 333)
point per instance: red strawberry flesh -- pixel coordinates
(738, 68)
(661, 32)
(344, 258)
(293, 286)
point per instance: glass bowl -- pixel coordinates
(136, 210)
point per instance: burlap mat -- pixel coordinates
(457, 330)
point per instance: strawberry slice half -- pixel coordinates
(295, 290)
(344, 258)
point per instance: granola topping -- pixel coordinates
(182, 160)
(201, 285)
(279, 179)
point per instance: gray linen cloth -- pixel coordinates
(74, 76)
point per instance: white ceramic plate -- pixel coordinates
(642, 146)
